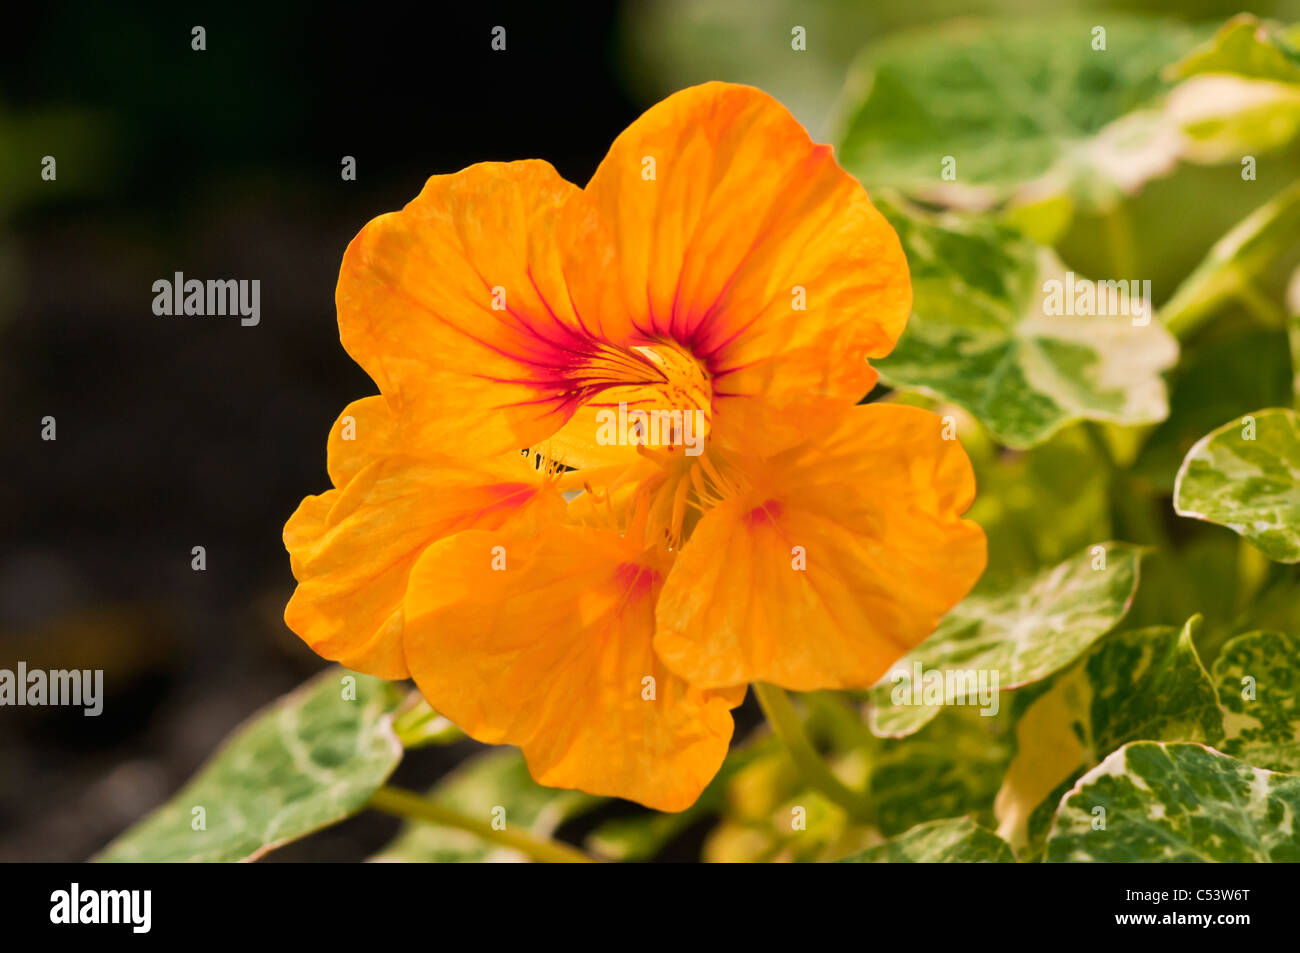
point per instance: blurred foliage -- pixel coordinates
(674, 43)
(66, 135)
(959, 840)
(976, 113)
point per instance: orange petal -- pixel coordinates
(352, 550)
(458, 309)
(872, 508)
(743, 210)
(552, 653)
(362, 434)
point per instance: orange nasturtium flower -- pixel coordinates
(599, 593)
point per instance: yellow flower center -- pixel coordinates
(654, 395)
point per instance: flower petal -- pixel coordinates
(742, 211)
(352, 549)
(458, 309)
(873, 508)
(362, 434)
(552, 653)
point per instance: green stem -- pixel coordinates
(1266, 311)
(422, 726)
(1135, 515)
(1185, 312)
(406, 804)
(1097, 437)
(1122, 243)
(1238, 258)
(1293, 329)
(815, 772)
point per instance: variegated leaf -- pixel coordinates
(1246, 476)
(1176, 802)
(953, 841)
(1019, 635)
(309, 760)
(998, 327)
(1258, 679)
(950, 768)
(1144, 684)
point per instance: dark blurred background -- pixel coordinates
(178, 432)
(175, 432)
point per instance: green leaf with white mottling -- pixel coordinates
(1246, 476)
(309, 760)
(1177, 802)
(1144, 684)
(1246, 46)
(955, 841)
(950, 768)
(1020, 106)
(990, 333)
(1222, 118)
(1024, 633)
(496, 779)
(1240, 93)
(1258, 678)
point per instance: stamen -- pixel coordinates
(679, 512)
(702, 490)
(662, 457)
(725, 486)
(636, 528)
